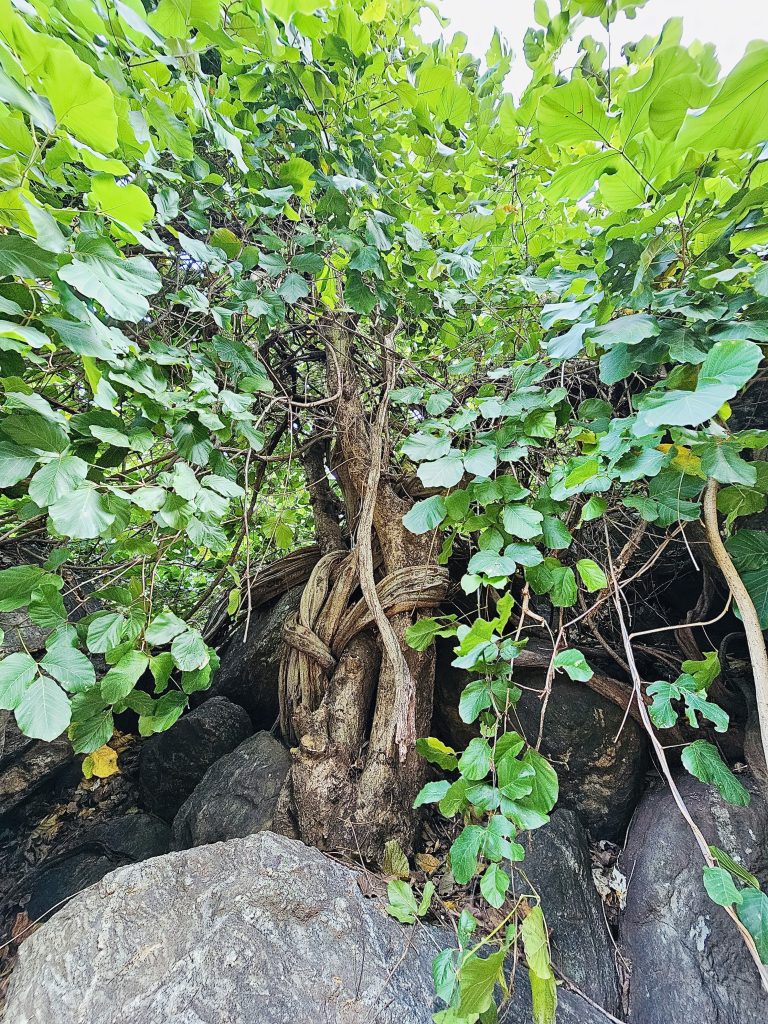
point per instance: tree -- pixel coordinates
(263, 261)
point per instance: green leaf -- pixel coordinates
(17, 673)
(477, 980)
(522, 521)
(425, 515)
(535, 943)
(437, 752)
(592, 576)
(445, 472)
(475, 762)
(82, 102)
(44, 710)
(720, 887)
(18, 583)
(163, 628)
(543, 999)
(736, 869)
(402, 903)
(68, 665)
(36, 432)
(189, 651)
(753, 914)
(127, 204)
(24, 258)
(46, 609)
(431, 793)
(494, 885)
(573, 662)
(572, 113)
(734, 117)
(123, 676)
(723, 462)
(464, 853)
(119, 283)
(56, 479)
(16, 463)
(105, 632)
(703, 761)
(82, 513)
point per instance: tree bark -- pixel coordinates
(354, 718)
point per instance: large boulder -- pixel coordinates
(28, 765)
(688, 961)
(173, 762)
(557, 861)
(98, 849)
(257, 929)
(250, 663)
(600, 759)
(237, 796)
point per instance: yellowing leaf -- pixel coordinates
(102, 763)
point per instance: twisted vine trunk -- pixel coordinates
(354, 696)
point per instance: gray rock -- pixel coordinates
(250, 665)
(237, 795)
(99, 849)
(688, 962)
(172, 763)
(600, 776)
(261, 929)
(557, 862)
(29, 766)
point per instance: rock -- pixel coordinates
(250, 665)
(600, 776)
(99, 849)
(13, 742)
(21, 634)
(688, 961)
(29, 765)
(172, 763)
(237, 796)
(258, 929)
(557, 862)
(571, 1008)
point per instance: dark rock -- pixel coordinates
(33, 765)
(557, 862)
(250, 665)
(13, 742)
(261, 929)
(172, 763)
(571, 1007)
(688, 961)
(237, 795)
(99, 849)
(600, 776)
(21, 634)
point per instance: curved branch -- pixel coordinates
(755, 640)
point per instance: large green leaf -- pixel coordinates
(573, 113)
(17, 673)
(24, 258)
(120, 284)
(82, 513)
(82, 102)
(44, 711)
(735, 118)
